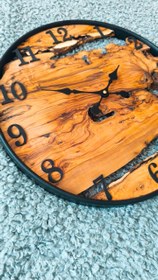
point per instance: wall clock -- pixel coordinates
(72, 113)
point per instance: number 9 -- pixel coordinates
(15, 135)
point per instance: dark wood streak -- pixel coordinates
(25, 108)
(47, 135)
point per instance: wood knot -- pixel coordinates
(146, 79)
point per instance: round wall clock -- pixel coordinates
(77, 104)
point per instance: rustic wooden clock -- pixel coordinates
(71, 117)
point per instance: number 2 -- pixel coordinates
(137, 44)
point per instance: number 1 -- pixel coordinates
(100, 31)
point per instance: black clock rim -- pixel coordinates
(121, 33)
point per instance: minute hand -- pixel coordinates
(103, 93)
(113, 76)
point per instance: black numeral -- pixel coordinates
(52, 169)
(5, 95)
(100, 180)
(19, 53)
(154, 175)
(18, 91)
(16, 131)
(61, 31)
(137, 44)
(56, 41)
(100, 32)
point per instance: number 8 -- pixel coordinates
(50, 170)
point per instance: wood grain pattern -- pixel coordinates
(78, 34)
(136, 183)
(58, 126)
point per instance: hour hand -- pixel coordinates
(69, 91)
(103, 93)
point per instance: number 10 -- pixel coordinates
(14, 90)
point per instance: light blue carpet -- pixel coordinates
(44, 237)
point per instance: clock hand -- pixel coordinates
(69, 91)
(103, 93)
(94, 112)
(113, 76)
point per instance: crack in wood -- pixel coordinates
(95, 192)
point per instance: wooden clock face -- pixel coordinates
(71, 117)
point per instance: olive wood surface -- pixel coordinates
(58, 126)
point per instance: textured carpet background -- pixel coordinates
(44, 237)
